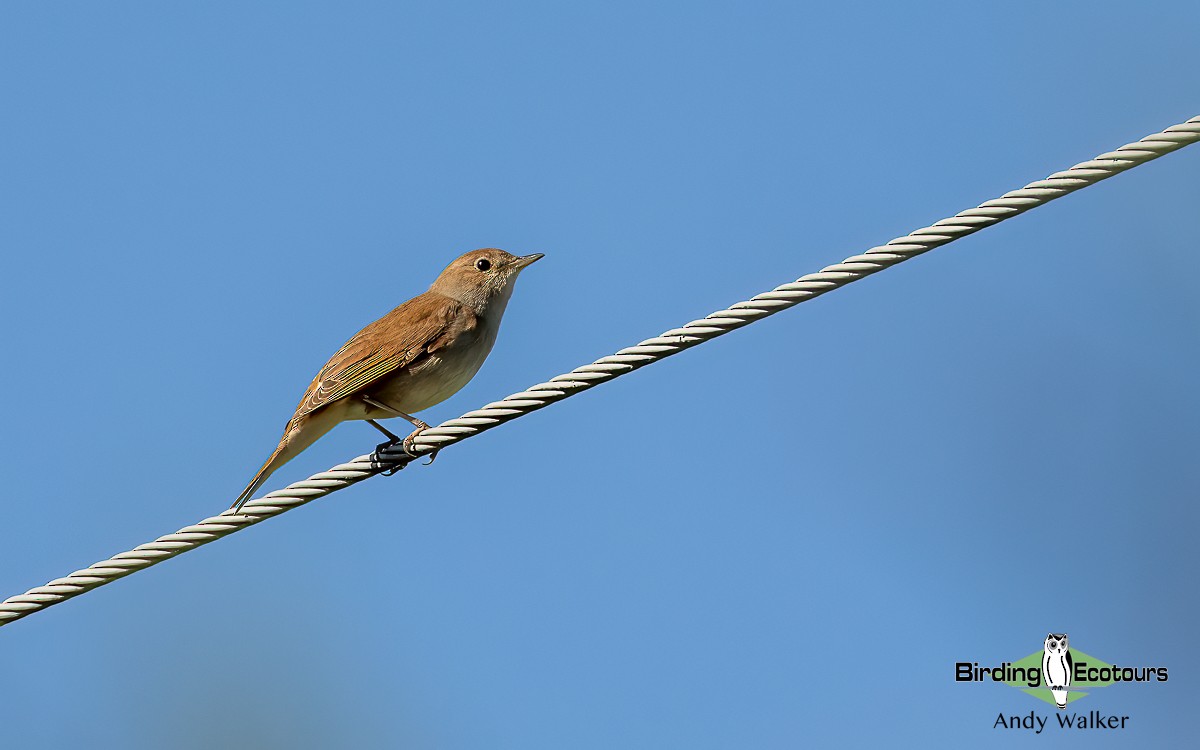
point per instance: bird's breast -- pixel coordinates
(436, 376)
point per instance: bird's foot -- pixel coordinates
(388, 445)
(408, 446)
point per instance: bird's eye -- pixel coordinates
(483, 264)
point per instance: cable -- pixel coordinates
(602, 370)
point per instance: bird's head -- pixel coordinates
(482, 279)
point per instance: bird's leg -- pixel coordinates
(391, 436)
(380, 405)
(392, 440)
(406, 443)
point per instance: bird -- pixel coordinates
(418, 355)
(1057, 667)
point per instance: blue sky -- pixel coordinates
(784, 537)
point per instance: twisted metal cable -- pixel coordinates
(602, 370)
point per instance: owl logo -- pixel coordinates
(1057, 667)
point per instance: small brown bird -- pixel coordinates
(416, 356)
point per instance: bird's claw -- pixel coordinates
(410, 449)
(385, 446)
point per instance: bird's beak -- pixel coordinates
(525, 260)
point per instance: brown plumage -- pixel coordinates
(416, 356)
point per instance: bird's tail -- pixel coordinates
(298, 435)
(276, 460)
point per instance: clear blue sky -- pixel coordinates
(785, 537)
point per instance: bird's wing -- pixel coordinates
(391, 342)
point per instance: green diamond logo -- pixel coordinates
(1077, 689)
